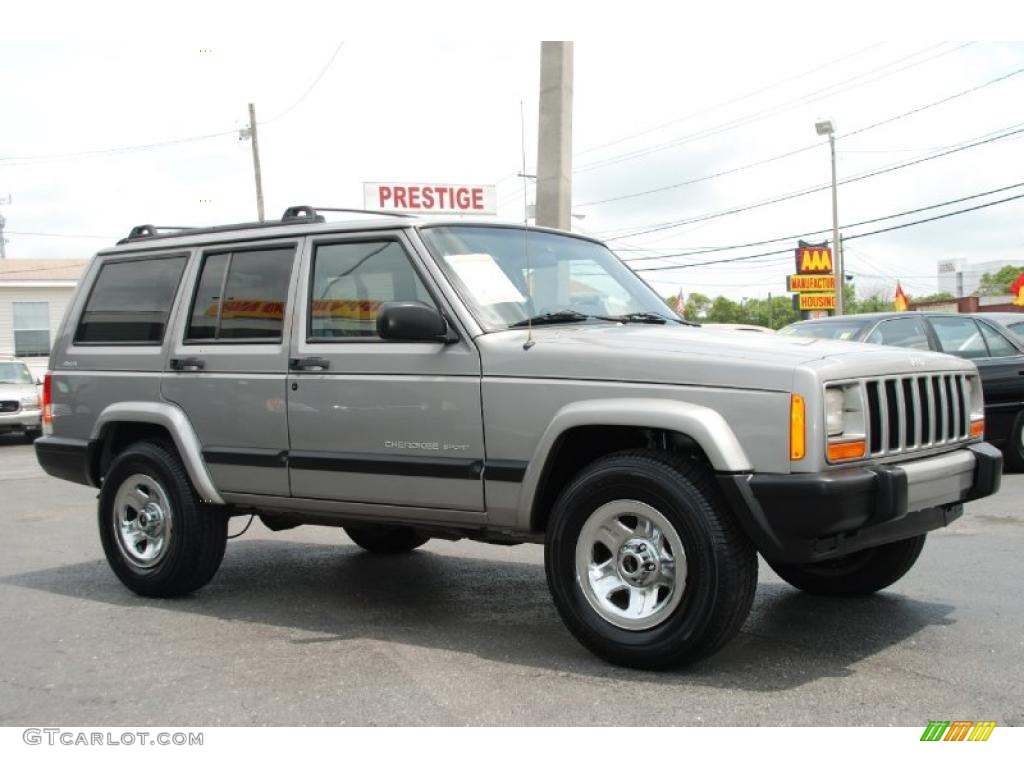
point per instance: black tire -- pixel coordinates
(721, 561)
(30, 435)
(1014, 450)
(194, 545)
(386, 539)
(857, 574)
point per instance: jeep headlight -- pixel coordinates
(835, 412)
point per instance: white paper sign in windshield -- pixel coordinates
(484, 279)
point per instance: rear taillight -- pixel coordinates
(48, 403)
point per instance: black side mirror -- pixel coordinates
(412, 321)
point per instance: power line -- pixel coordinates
(824, 231)
(23, 159)
(730, 102)
(808, 98)
(312, 85)
(817, 188)
(846, 237)
(805, 148)
(60, 234)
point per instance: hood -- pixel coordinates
(17, 391)
(675, 354)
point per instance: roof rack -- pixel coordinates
(295, 214)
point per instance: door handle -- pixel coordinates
(309, 364)
(187, 364)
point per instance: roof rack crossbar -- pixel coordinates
(399, 214)
(295, 214)
(152, 230)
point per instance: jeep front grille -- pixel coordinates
(909, 413)
(9, 406)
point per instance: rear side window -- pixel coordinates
(960, 336)
(997, 345)
(241, 296)
(130, 302)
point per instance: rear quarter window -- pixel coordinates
(130, 301)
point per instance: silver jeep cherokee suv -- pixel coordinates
(407, 379)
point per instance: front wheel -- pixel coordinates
(857, 574)
(645, 563)
(159, 539)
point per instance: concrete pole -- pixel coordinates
(256, 161)
(554, 136)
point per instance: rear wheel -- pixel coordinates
(159, 539)
(645, 563)
(857, 574)
(386, 539)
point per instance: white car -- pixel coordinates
(19, 399)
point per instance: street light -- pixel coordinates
(826, 128)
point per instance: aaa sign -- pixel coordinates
(813, 259)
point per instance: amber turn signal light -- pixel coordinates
(845, 451)
(797, 428)
(977, 427)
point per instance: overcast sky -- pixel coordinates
(418, 109)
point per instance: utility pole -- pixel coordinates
(554, 136)
(250, 133)
(3, 223)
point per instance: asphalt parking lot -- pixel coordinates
(303, 628)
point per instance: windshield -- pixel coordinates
(845, 330)
(14, 373)
(507, 275)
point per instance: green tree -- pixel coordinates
(724, 310)
(697, 307)
(999, 283)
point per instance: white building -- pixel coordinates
(958, 277)
(33, 296)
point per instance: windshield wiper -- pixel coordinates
(551, 318)
(647, 317)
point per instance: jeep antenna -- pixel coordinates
(526, 233)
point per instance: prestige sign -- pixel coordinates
(463, 199)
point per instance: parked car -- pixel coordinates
(19, 399)
(998, 353)
(1013, 321)
(737, 327)
(408, 379)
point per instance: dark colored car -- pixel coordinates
(998, 353)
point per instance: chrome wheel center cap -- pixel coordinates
(637, 562)
(151, 519)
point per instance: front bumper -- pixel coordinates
(811, 517)
(26, 418)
